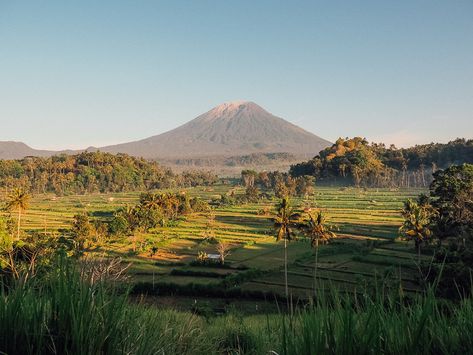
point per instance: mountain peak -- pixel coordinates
(232, 110)
(234, 106)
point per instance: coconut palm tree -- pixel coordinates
(284, 222)
(150, 201)
(19, 200)
(131, 215)
(417, 223)
(318, 231)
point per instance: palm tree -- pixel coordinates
(284, 221)
(150, 201)
(131, 215)
(318, 231)
(18, 200)
(417, 223)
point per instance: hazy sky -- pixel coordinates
(81, 73)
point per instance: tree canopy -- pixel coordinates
(357, 161)
(93, 172)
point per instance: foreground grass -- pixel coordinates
(66, 314)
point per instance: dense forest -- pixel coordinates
(90, 172)
(357, 161)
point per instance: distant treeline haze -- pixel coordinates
(260, 159)
(358, 162)
(90, 172)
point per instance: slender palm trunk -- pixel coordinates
(316, 265)
(18, 225)
(418, 253)
(285, 269)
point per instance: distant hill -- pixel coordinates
(18, 150)
(231, 129)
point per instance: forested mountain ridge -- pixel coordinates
(359, 162)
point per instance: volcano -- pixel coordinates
(233, 128)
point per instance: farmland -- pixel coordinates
(364, 252)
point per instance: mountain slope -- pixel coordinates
(18, 150)
(235, 128)
(230, 129)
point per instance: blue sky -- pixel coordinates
(81, 73)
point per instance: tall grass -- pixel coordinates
(383, 325)
(64, 314)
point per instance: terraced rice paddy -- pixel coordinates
(364, 253)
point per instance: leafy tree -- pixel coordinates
(6, 247)
(285, 220)
(198, 205)
(100, 230)
(252, 194)
(223, 250)
(452, 195)
(131, 214)
(305, 185)
(248, 177)
(281, 190)
(149, 212)
(81, 230)
(118, 225)
(26, 257)
(18, 200)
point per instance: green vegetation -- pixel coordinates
(140, 266)
(367, 224)
(318, 231)
(67, 313)
(451, 197)
(355, 161)
(284, 222)
(91, 172)
(418, 218)
(18, 200)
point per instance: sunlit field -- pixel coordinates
(366, 250)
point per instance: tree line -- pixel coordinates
(358, 162)
(91, 172)
(254, 159)
(282, 184)
(153, 210)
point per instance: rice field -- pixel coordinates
(365, 252)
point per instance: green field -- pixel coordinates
(364, 253)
